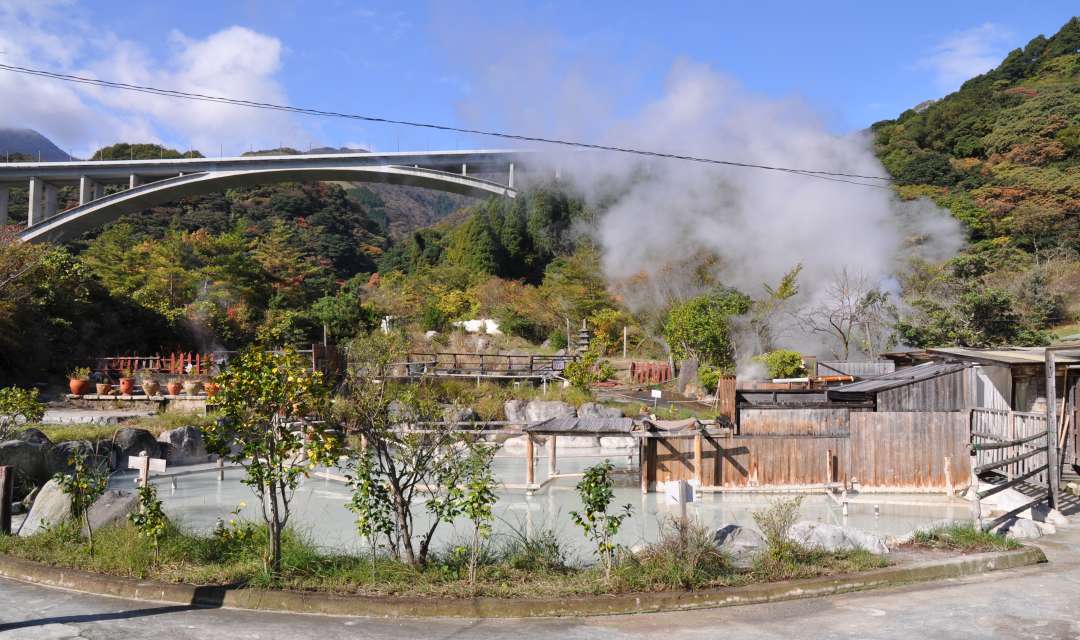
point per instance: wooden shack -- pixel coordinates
(932, 386)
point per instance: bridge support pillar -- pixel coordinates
(50, 191)
(87, 190)
(34, 210)
(3, 204)
(510, 176)
(134, 181)
(464, 169)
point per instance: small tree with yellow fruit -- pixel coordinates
(272, 406)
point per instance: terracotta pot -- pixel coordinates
(79, 387)
(104, 388)
(211, 389)
(151, 387)
(127, 386)
(191, 387)
(174, 388)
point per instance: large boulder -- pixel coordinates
(831, 537)
(619, 443)
(597, 410)
(60, 456)
(576, 442)
(35, 436)
(515, 411)
(1009, 499)
(183, 446)
(540, 410)
(29, 459)
(51, 507)
(741, 544)
(111, 508)
(458, 414)
(131, 442)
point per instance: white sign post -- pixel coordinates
(679, 492)
(656, 395)
(145, 464)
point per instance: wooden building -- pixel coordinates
(932, 386)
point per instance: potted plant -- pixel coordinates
(174, 386)
(150, 386)
(104, 388)
(127, 382)
(191, 387)
(211, 389)
(79, 381)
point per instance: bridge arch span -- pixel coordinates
(96, 213)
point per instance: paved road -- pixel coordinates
(1034, 602)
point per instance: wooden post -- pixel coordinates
(948, 476)
(643, 449)
(624, 342)
(976, 508)
(221, 468)
(828, 466)
(7, 488)
(552, 465)
(530, 461)
(698, 475)
(1051, 428)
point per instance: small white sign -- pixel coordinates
(656, 393)
(156, 464)
(679, 492)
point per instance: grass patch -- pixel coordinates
(512, 567)
(155, 424)
(964, 538)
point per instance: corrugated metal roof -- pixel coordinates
(1005, 355)
(585, 426)
(900, 377)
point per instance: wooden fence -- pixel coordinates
(1016, 445)
(483, 365)
(992, 425)
(900, 451)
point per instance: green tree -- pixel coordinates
(149, 518)
(370, 502)
(18, 406)
(83, 485)
(596, 491)
(272, 408)
(700, 327)
(782, 363)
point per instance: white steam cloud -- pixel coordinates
(755, 224)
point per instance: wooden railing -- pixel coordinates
(1015, 445)
(488, 365)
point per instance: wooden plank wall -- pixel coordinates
(893, 451)
(906, 449)
(748, 461)
(793, 421)
(943, 393)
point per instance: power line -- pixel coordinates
(495, 134)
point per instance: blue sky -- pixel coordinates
(488, 65)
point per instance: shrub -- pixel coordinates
(18, 405)
(782, 363)
(685, 557)
(540, 551)
(964, 537)
(709, 377)
(596, 491)
(775, 522)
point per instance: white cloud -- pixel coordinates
(235, 62)
(966, 54)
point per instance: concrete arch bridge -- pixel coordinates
(146, 183)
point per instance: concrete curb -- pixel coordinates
(485, 607)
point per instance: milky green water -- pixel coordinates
(197, 500)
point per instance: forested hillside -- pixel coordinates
(1003, 155)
